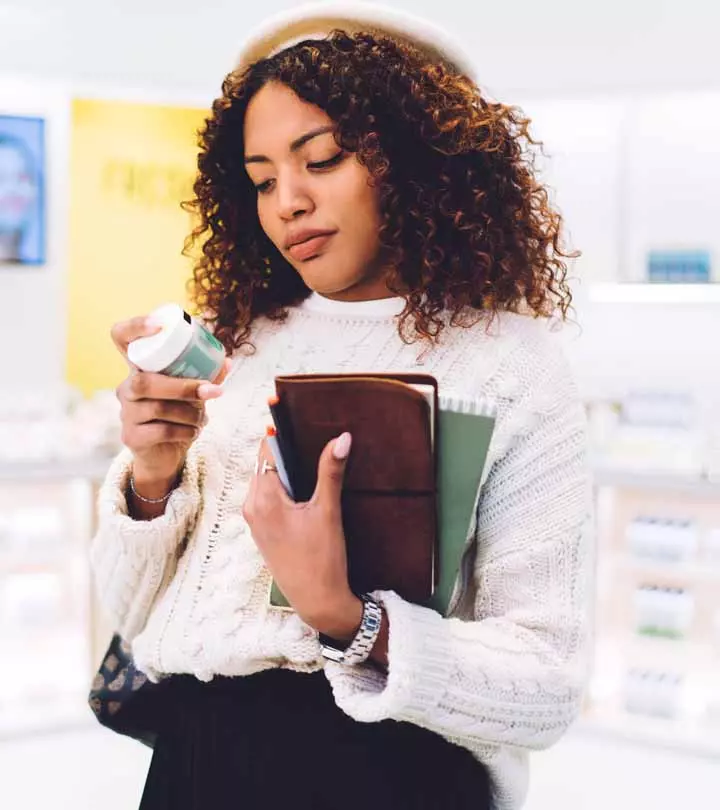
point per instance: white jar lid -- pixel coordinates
(156, 352)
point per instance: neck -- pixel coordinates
(360, 295)
(373, 287)
(385, 306)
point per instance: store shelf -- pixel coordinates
(93, 469)
(673, 735)
(700, 571)
(650, 293)
(670, 482)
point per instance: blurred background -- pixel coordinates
(99, 104)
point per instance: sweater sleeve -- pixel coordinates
(514, 675)
(133, 560)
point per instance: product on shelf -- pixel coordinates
(662, 539)
(653, 693)
(711, 546)
(679, 267)
(30, 601)
(663, 612)
(663, 409)
(40, 426)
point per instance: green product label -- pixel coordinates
(194, 363)
(210, 339)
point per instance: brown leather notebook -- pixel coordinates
(389, 493)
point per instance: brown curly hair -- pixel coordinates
(467, 228)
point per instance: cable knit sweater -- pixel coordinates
(504, 673)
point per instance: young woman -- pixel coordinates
(363, 207)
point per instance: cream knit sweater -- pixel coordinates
(505, 673)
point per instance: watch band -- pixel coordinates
(359, 649)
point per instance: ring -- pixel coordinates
(264, 467)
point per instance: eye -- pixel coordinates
(327, 164)
(263, 188)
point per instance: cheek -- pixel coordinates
(366, 216)
(361, 205)
(267, 222)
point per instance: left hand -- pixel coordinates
(304, 543)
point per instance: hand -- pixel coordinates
(161, 416)
(304, 544)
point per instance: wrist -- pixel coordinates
(153, 483)
(342, 621)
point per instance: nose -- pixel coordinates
(294, 198)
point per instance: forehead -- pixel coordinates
(276, 116)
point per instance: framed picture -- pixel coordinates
(22, 190)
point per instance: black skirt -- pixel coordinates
(278, 740)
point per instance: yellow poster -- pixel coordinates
(131, 167)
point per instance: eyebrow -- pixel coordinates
(298, 143)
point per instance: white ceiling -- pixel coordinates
(527, 46)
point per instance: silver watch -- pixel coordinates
(359, 649)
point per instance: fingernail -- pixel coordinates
(205, 420)
(209, 391)
(152, 323)
(341, 448)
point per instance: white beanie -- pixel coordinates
(317, 20)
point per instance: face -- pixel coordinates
(315, 201)
(17, 192)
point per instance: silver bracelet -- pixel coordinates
(359, 649)
(148, 500)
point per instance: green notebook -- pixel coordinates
(466, 429)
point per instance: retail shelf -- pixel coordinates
(11, 565)
(20, 472)
(652, 293)
(671, 482)
(674, 735)
(695, 570)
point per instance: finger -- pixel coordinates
(158, 410)
(331, 469)
(222, 376)
(141, 437)
(145, 385)
(268, 484)
(125, 332)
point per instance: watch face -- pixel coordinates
(332, 654)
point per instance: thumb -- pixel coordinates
(331, 469)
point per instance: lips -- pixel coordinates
(308, 245)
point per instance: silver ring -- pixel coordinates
(265, 467)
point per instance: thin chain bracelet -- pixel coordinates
(149, 500)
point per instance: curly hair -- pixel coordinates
(466, 227)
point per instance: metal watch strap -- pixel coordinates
(359, 649)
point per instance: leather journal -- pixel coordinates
(390, 488)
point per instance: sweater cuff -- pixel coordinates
(144, 539)
(420, 664)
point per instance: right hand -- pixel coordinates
(161, 416)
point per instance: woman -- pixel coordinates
(362, 208)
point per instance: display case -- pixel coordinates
(656, 673)
(48, 622)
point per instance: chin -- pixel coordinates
(323, 284)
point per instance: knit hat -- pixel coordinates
(317, 20)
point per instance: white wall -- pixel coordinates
(557, 46)
(576, 68)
